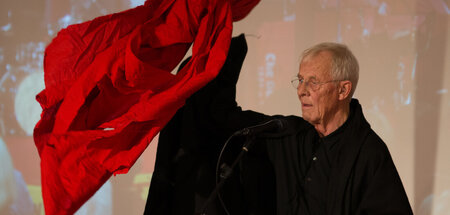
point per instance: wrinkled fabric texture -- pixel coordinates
(109, 89)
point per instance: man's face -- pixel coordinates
(318, 106)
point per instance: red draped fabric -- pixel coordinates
(109, 88)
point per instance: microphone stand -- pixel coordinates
(226, 171)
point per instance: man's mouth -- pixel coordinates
(306, 105)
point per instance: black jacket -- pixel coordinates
(363, 177)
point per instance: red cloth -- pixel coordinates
(109, 89)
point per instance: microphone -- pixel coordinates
(271, 126)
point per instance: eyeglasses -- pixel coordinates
(311, 84)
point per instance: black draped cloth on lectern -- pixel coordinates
(188, 149)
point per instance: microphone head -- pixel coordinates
(270, 127)
(281, 123)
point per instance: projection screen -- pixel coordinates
(403, 51)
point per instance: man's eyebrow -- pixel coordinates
(309, 78)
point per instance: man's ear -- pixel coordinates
(345, 87)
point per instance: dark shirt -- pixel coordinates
(321, 154)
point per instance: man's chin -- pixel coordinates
(306, 117)
(309, 119)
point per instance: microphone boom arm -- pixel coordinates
(226, 172)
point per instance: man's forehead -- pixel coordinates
(314, 71)
(315, 66)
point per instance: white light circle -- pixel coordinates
(27, 109)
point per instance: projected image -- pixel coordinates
(14, 197)
(402, 47)
(404, 79)
(25, 30)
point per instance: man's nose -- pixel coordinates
(302, 90)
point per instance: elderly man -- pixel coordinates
(329, 161)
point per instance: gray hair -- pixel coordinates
(344, 64)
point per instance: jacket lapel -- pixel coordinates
(354, 137)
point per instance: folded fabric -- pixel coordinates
(110, 90)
